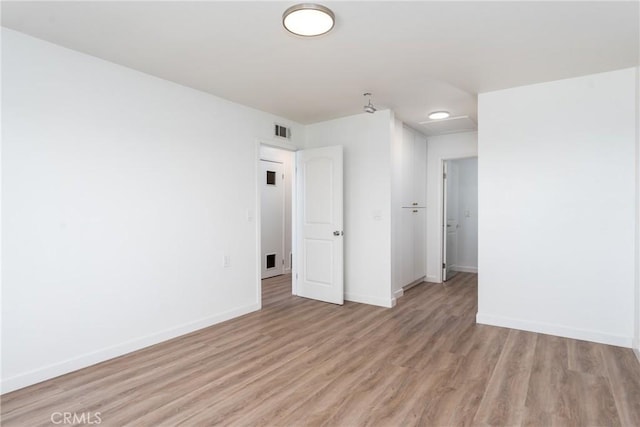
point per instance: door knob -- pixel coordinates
(336, 233)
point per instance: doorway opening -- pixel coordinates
(273, 219)
(275, 186)
(459, 243)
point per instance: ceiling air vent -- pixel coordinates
(282, 132)
(450, 125)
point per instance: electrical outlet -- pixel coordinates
(226, 261)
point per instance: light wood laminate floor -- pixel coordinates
(301, 362)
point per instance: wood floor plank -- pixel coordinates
(301, 362)
(585, 357)
(623, 373)
(504, 398)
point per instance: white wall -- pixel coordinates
(637, 278)
(121, 194)
(286, 158)
(556, 198)
(366, 139)
(467, 259)
(396, 196)
(440, 148)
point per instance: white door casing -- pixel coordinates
(319, 258)
(443, 221)
(271, 218)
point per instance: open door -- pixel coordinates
(319, 223)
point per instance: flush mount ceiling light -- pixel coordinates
(439, 115)
(308, 19)
(369, 108)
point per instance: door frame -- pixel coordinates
(286, 146)
(441, 195)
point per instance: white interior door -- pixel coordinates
(272, 218)
(319, 266)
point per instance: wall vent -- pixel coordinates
(282, 131)
(271, 261)
(450, 125)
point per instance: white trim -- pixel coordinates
(551, 329)
(432, 279)
(637, 234)
(464, 269)
(366, 299)
(400, 292)
(85, 360)
(256, 219)
(278, 144)
(265, 159)
(414, 283)
(294, 225)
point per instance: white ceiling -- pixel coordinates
(415, 56)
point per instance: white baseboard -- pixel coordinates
(414, 283)
(551, 329)
(366, 299)
(85, 360)
(464, 269)
(432, 279)
(637, 352)
(397, 294)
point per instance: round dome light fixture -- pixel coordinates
(437, 115)
(308, 19)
